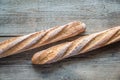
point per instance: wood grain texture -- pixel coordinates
(18, 17)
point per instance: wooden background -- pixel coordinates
(19, 17)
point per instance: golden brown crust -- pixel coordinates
(78, 46)
(37, 39)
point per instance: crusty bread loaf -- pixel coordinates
(37, 39)
(78, 46)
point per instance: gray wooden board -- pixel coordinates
(20, 17)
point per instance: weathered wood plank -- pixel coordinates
(100, 64)
(97, 24)
(18, 17)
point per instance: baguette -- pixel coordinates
(78, 46)
(37, 39)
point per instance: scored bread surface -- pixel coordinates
(78, 46)
(37, 39)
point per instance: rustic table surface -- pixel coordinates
(19, 17)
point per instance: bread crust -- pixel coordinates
(37, 39)
(78, 46)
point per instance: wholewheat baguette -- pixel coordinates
(37, 39)
(78, 46)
